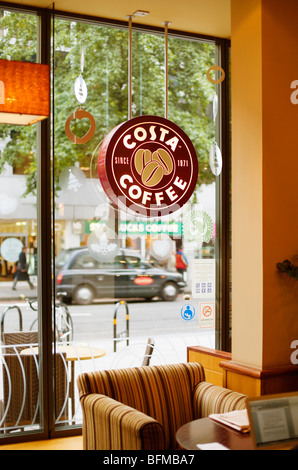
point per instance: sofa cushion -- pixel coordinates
(113, 425)
(209, 398)
(163, 392)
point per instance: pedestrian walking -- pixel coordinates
(22, 270)
(181, 261)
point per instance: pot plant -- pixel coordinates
(289, 268)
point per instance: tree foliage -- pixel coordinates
(105, 72)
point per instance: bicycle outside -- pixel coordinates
(63, 320)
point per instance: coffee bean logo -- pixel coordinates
(153, 166)
(148, 166)
(152, 174)
(142, 157)
(164, 159)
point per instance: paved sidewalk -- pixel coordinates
(22, 290)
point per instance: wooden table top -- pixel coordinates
(73, 353)
(206, 431)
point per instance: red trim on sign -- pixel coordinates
(148, 166)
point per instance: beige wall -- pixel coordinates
(247, 268)
(265, 175)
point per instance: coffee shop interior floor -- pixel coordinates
(65, 443)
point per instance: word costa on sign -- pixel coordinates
(148, 165)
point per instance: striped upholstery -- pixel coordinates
(113, 425)
(210, 398)
(143, 407)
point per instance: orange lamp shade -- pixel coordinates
(24, 92)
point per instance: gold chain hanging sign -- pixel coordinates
(166, 25)
(147, 165)
(130, 18)
(81, 93)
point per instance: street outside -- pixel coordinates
(94, 324)
(94, 328)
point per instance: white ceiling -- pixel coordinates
(210, 17)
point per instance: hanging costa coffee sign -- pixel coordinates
(148, 166)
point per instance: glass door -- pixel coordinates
(120, 276)
(20, 409)
(95, 282)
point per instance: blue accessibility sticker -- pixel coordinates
(188, 312)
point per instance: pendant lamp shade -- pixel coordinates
(24, 92)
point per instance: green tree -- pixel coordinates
(105, 72)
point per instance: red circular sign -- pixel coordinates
(148, 166)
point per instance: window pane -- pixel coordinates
(116, 276)
(19, 372)
(117, 273)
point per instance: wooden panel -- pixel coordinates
(255, 382)
(210, 360)
(249, 386)
(251, 381)
(214, 378)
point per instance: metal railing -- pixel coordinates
(125, 333)
(4, 313)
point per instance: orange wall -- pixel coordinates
(265, 176)
(280, 176)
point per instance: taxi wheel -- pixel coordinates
(83, 295)
(169, 291)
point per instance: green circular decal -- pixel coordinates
(198, 226)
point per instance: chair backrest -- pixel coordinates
(164, 392)
(20, 390)
(148, 352)
(21, 381)
(16, 338)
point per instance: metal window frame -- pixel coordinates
(45, 211)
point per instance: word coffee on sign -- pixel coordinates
(148, 166)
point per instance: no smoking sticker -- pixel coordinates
(207, 311)
(207, 315)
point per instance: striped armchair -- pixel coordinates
(141, 408)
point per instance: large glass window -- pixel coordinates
(118, 279)
(19, 374)
(140, 292)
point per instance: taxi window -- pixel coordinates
(133, 261)
(84, 261)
